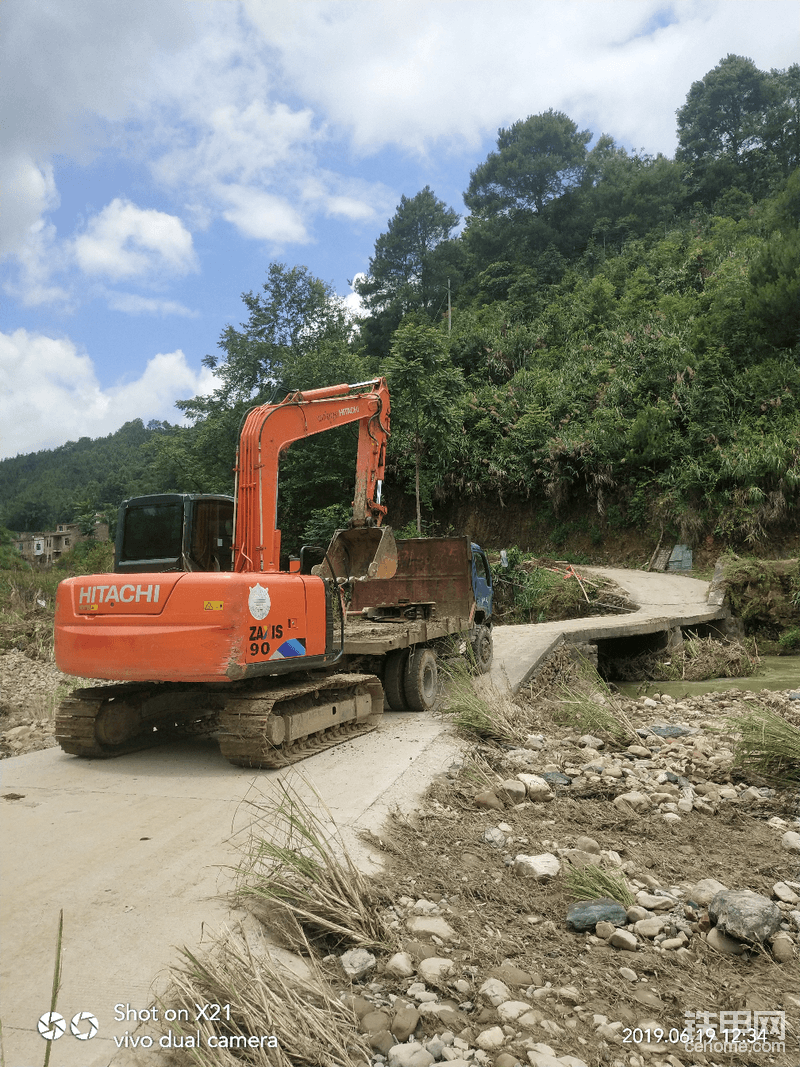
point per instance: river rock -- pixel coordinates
(625, 940)
(653, 902)
(588, 844)
(791, 841)
(400, 964)
(412, 1054)
(512, 791)
(585, 914)
(632, 803)
(491, 1039)
(495, 991)
(430, 926)
(727, 945)
(536, 787)
(639, 750)
(357, 962)
(542, 867)
(785, 893)
(578, 858)
(705, 891)
(648, 927)
(405, 1023)
(373, 1022)
(504, 1059)
(510, 1010)
(783, 948)
(381, 1041)
(488, 799)
(672, 730)
(515, 977)
(744, 914)
(435, 970)
(494, 836)
(556, 778)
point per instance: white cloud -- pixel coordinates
(39, 259)
(49, 393)
(419, 74)
(29, 192)
(262, 215)
(352, 302)
(134, 304)
(124, 241)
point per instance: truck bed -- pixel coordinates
(433, 579)
(365, 637)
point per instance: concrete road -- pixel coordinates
(664, 601)
(135, 850)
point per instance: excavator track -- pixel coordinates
(294, 720)
(266, 723)
(111, 720)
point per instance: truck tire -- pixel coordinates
(422, 680)
(482, 648)
(394, 673)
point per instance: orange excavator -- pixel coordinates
(200, 629)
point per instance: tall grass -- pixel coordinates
(495, 719)
(591, 882)
(587, 704)
(768, 744)
(297, 875)
(309, 1023)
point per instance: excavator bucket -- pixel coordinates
(360, 552)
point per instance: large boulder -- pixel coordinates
(744, 914)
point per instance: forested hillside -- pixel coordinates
(623, 341)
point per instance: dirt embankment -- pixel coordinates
(30, 689)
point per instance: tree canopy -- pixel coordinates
(537, 159)
(410, 267)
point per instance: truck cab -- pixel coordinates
(482, 587)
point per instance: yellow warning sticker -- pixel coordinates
(212, 605)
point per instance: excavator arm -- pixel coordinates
(267, 431)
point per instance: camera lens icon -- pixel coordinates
(81, 1020)
(52, 1026)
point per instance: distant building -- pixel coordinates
(43, 549)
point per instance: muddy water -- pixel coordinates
(775, 672)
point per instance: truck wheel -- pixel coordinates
(422, 680)
(394, 678)
(482, 648)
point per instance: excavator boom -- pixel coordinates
(269, 430)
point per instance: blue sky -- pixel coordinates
(156, 156)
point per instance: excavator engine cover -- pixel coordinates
(360, 552)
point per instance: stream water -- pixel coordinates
(775, 672)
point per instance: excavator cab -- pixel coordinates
(174, 532)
